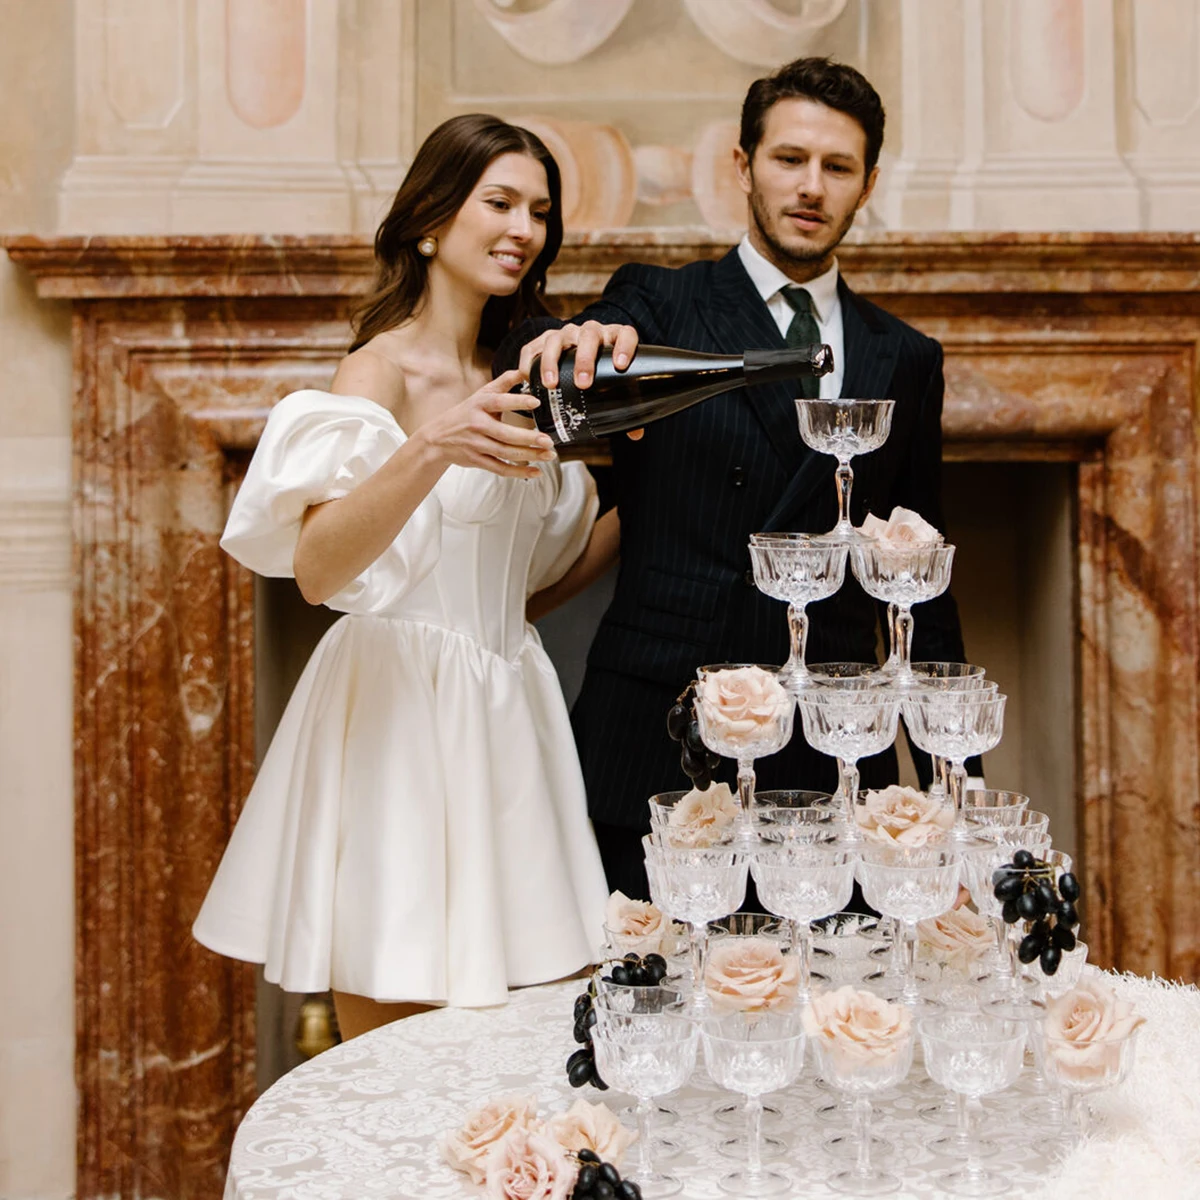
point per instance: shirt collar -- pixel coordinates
(768, 279)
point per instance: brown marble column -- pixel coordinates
(1067, 347)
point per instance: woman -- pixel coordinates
(417, 834)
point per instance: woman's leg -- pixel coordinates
(359, 1014)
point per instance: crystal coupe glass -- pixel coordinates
(955, 725)
(903, 577)
(647, 1052)
(744, 740)
(695, 884)
(754, 1053)
(972, 1056)
(858, 1079)
(910, 884)
(798, 568)
(849, 724)
(802, 881)
(993, 846)
(845, 429)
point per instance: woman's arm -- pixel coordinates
(601, 551)
(341, 538)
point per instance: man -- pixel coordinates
(694, 488)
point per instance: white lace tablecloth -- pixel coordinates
(365, 1119)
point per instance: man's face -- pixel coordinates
(805, 184)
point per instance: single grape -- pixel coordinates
(582, 1003)
(1030, 906)
(588, 1155)
(583, 1070)
(1009, 914)
(1068, 887)
(581, 1032)
(610, 1174)
(620, 975)
(1049, 896)
(658, 972)
(634, 959)
(702, 782)
(1029, 948)
(1008, 887)
(590, 1018)
(585, 1180)
(1063, 938)
(692, 738)
(691, 762)
(603, 1191)
(1023, 859)
(655, 961)
(1051, 957)
(1067, 914)
(677, 722)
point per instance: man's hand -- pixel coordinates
(586, 340)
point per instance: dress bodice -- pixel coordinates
(476, 547)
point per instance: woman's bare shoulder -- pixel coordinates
(370, 372)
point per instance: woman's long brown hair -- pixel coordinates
(443, 174)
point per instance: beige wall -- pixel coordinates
(37, 955)
(300, 116)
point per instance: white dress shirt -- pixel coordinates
(827, 307)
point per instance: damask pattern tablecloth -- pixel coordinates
(365, 1119)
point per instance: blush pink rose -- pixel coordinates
(750, 973)
(956, 939)
(858, 1025)
(467, 1149)
(903, 530)
(1085, 1029)
(529, 1166)
(903, 816)
(595, 1127)
(639, 927)
(741, 703)
(702, 818)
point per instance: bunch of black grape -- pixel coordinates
(696, 759)
(1028, 894)
(601, 1181)
(630, 971)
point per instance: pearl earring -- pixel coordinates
(427, 246)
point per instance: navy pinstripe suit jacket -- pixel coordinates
(697, 485)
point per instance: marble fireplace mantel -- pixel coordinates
(1072, 347)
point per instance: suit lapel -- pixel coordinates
(869, 353)
(739, 320)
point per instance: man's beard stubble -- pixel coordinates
(805, 255)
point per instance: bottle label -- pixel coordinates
(567, 419)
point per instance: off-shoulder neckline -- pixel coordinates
(387, 412)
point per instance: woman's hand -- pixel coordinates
(473, 434)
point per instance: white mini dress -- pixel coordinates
(418, 829)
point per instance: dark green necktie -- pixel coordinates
(803, 331)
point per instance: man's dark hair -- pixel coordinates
(821, 79)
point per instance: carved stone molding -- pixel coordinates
(1083, 348)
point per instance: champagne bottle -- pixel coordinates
(660, 381)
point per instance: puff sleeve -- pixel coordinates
(565, 528)
(317, 447)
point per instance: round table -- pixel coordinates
(365, 1119)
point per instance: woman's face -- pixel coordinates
(500, 230)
